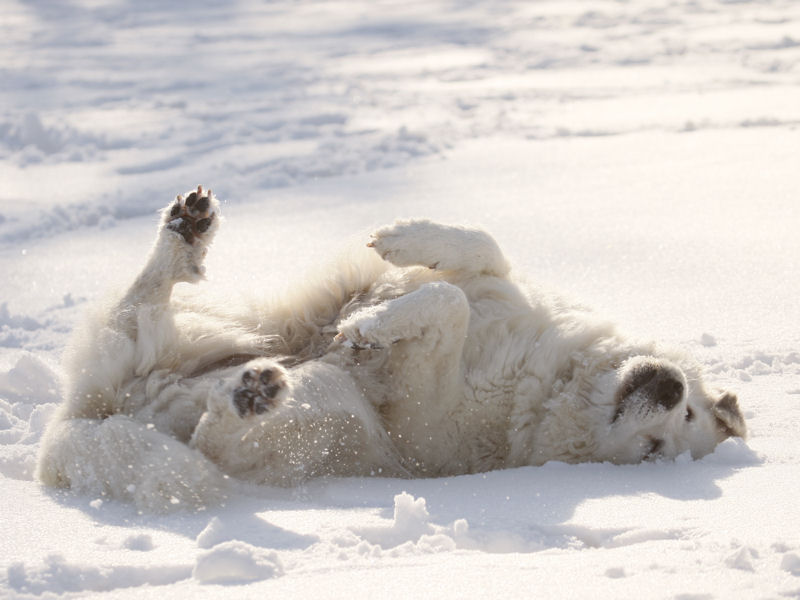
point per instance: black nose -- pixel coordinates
(651, 383)
(668, 392)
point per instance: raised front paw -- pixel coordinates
(194, 217)
(406, 243)
(365, 329)
(262, 387)
(354, 340)
(440, 247)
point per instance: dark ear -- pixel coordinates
(729, 418)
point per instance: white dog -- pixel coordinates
(421, 358)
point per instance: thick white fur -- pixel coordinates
(419, 357)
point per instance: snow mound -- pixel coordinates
(236, 562)
(57, 576)
(410, 523)
(28, 396)
(742, 559)
(412, 531)
(30, 381)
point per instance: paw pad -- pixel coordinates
(193, 215)
(261, 389)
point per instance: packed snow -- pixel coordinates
(641, 157)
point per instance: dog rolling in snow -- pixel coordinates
(420, 358)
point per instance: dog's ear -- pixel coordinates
(730, 420)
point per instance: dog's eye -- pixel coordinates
(689, 415)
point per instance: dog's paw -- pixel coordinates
(356, 341)
(194, 217)
(261, 388)
(405, 244)
(441, 247)
(363, 331)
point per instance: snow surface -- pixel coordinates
(641, 156)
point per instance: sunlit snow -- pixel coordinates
(641, 157)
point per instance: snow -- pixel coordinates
(639, 156)
(235, 562)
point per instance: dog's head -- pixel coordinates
(657, 410)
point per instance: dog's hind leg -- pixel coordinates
(441, 247)
(423, 334)
(268, 425)
(101, 440)
(120, 458)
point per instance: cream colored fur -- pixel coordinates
(421, 356)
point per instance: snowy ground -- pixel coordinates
(641, 156)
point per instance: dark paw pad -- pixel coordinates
(193, 215)
(260, 391)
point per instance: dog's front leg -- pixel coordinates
(187, 228)
(435, 313)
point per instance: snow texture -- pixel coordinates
(235, 562)
(640, 156)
